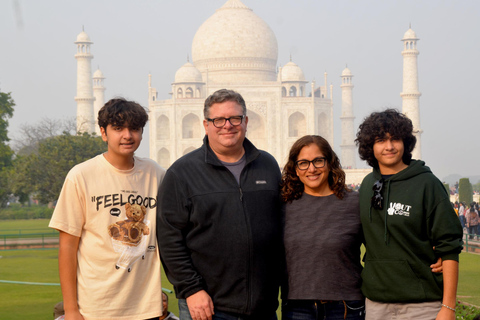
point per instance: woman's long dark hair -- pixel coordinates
(292, 188)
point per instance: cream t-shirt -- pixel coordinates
(117, 278)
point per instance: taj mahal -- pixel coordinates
(236, 49)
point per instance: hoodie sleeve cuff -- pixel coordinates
(450, 256)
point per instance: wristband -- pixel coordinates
(449, 308)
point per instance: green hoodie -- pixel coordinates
(416, 226)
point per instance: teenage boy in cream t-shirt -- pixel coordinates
(108, 259)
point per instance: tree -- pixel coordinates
(6, 153)
(30, 135)
(42, 173)
(465, 191)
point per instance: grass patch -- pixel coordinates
(24, 301)
(24, 226)
(469, 279)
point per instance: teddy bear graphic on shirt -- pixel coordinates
(131, 230)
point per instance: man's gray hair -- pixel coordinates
(223, 95)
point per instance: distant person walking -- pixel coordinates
(461, 214)
(472, 221)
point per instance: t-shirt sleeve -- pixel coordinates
(69, 213)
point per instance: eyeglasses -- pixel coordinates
(305, 164)
(220, 122)
(377, 199)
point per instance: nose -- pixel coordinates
(389, 144)
(311, 167)
(128, 133)
(228, 124)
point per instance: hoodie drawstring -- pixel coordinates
(387, 193)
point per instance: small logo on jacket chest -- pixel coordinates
(399, 209)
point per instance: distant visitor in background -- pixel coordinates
(461, 214)
(472, 220)
(58, 312)
(408, 223)
(322, 236)
(166, 315)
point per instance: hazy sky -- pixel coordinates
(134, 38)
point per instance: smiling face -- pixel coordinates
(388, 151)
(122, 141)
(315, 180)
(228, 140)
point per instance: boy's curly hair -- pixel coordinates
(291, 186)
(121, 112)
(378, 125)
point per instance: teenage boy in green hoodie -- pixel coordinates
(408, 223)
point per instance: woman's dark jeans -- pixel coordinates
(316, 310)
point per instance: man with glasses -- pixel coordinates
(219, 217)
(408, 223)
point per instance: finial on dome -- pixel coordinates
(83, 27)
(290, 57)
(188, 57)
(234, 4)
(410, 25)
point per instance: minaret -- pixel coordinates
(410, 93)
(347, 146)
(84, 96)
(99, 94)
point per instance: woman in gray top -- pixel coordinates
(322, 236)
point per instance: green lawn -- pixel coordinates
(25, 226)
(469, 279)
(23, 301)
(28, 301)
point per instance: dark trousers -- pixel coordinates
(184, 314)
(316, 310)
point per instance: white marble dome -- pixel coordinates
(98, 74)
(83, 37)
(410, 35)
(346, 72)
(188, 73)
(235, 45)
(292, 72)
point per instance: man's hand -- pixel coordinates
(200, 305)
(437, 267)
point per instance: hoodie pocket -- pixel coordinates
(391, 281)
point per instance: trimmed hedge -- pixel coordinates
(16, 212)
(465, 191)
(447, 187)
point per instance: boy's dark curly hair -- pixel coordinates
(291, 186)
(121, 112)
(378, 125)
